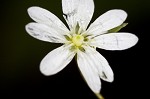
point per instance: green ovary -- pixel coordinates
(77, 40)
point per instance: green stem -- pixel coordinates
(99, 96)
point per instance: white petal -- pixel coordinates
(80, 11)
(44, 33)
(101, 64)
(107, 21)
(115, 41)
(89, 71)
(43, 16)
(56, 60)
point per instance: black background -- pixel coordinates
(21, 54)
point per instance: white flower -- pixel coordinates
(80, 40)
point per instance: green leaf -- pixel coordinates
(116, 29)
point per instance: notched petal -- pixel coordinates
(44, 33)
(115, 41)
(78, 11)
(101, 64)
(107, 21)
(43, 16)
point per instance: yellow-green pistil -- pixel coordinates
(77, 40)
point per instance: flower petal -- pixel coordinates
(99, 63)
(80, 11)
(104, 70)
(43, 16)
(56, 60)
(107, 21)
(89, 71)
(115, 41)
(44, 33)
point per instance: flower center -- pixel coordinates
(77, 40)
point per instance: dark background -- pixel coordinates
(20, 54)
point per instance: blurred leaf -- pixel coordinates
(116, 29)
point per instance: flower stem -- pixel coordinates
(99, 96)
